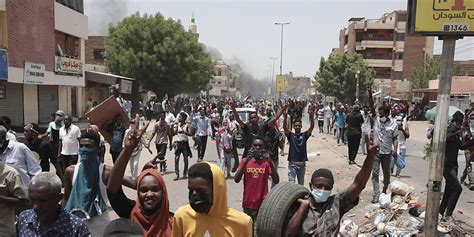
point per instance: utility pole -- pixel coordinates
(357, 84)
(435, 177)
(281, 47)
(273, 74)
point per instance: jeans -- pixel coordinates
(67, 160)
(384, 160)
(452, 191)
(181, 148)
(353, 142)
(161, 152)
(296, 170)
(340, 134)
(402, 152)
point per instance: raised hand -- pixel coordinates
(132, 139)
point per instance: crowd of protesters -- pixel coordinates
(37, 202)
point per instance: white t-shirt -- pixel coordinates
(181, 136)
(70, 140)
(169, 118)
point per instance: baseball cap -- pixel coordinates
(60, 113)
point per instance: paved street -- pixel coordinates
(323, 152)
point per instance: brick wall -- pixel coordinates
(414, 54)
(30, 32)
(94, 42)
(69, 44)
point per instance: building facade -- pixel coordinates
(42, 59)
(224, 82)
(297, 85)
(385, 46)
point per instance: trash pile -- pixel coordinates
(398, 213)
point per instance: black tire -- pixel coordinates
(278, 208)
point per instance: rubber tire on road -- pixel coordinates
(278, 208)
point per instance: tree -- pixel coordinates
(429, 71)
(159, 53)
(337, 76)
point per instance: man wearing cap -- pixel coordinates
(18, 156)
(44, 149)
(320, 213)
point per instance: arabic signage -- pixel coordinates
(68, 65)
(441, 17)
(280, 86)
(34, 73)
(3, 64)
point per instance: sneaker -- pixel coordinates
(176, 178)
(351, 162)
(448, 219)
(185, 176)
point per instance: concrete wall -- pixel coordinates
(30, 32)
(30, 103)
(94, 42)
(69, 21)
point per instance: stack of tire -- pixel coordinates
(278, 208)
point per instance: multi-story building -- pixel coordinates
(297, 85)
(224, 80)
(384, 45)
(42, 58)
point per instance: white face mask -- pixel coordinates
(383, 119)
(320, 195)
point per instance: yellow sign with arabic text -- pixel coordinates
(440, 17)
(280, 86)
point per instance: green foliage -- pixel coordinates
(429, 71)
(159, 53)
(337, 76)
(428, 150)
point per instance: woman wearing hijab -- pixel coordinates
(151, 208)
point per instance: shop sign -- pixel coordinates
(34, 73)
(67, 65)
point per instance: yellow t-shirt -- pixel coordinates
(221, 221)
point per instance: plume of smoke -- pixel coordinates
(215, 53)
(101, 13)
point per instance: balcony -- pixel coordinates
(377, 44)
(400, 46)
(401, 27)
(359, 46)
(380, 26)
(377, 56)
(398, 65)
(69, 21)
(379, 62)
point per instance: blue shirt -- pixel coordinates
(340, 119)
(203, 126)
(298, 151)
(66, 225)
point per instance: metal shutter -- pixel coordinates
(47, 102)
(12, 104)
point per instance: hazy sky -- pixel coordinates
(245, 30)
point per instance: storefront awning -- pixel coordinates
(104, 78)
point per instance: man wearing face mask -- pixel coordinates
(320, 213)
(385, 132)
(85, 191)
(208, 213)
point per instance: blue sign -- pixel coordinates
(3, 64)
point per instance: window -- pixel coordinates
(398, 56)
(3, 92)
(219, 72)
(99, 54)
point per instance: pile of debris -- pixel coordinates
(398, 213)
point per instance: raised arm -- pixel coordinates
(277, 116)
(130, 143)
(371, 100)
(285, 125)
(311, 121)
(236, 115)
(362, 177)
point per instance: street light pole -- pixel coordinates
(357, 84)
(273, 73)
(281, 46)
